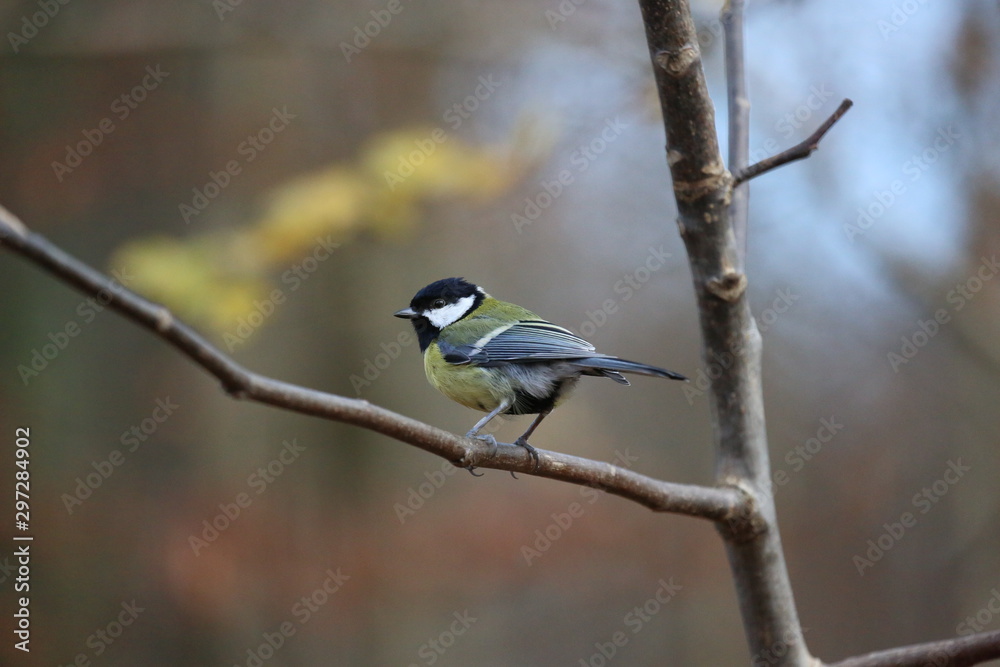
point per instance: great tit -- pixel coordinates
(498, 357)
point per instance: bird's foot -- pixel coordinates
(487, 438)
(523, 442)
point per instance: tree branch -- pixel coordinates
(955, 652)
(797, 152)
(716, 504)
(712, 220)
(703, 189)
(738, 104)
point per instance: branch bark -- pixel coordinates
(716, 504)
(738, 106)
(703, 189)
(955, 652)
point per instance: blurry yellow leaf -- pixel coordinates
(194, 279)
(428, 163)
(330, 201)
(215, 279)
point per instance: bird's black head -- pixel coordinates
(441, 303)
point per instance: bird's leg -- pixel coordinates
(474, 431)
(523, 440)
(486, 437)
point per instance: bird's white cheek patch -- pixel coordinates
(442, 317)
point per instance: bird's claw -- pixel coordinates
(522, 442)
(492, 441)
(487, 438)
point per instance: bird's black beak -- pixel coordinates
(406, 314)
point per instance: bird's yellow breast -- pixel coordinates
(473, 387)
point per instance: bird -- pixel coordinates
(499, 358)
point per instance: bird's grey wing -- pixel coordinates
(530, 341)
(524, 342)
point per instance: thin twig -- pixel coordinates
(955, 652)
(738, 103)
(723, 504)
(797, 152)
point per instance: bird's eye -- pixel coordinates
(439, 303)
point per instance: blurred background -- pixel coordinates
(285, 175)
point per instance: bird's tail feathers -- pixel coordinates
(613, 366)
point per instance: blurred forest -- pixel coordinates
(287, 174)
